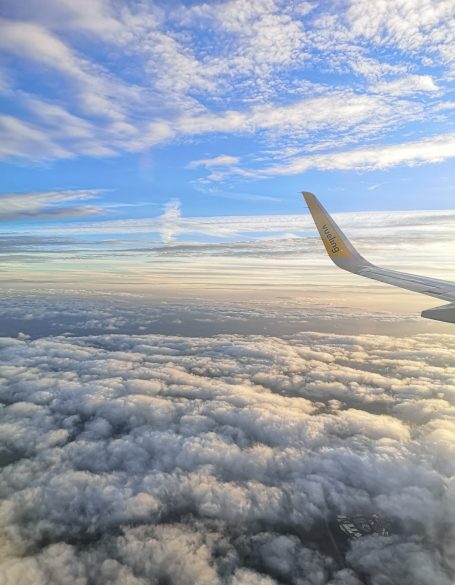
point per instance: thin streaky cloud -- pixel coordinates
(427, 151)
(218, 161)
(48, 204)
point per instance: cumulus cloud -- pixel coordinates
(134, 459)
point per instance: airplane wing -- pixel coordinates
(344, 255)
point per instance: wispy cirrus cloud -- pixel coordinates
(375, 157)
(23, 139)
(222, 160)
(338, 112)
(408, 85)
(48, 204)
(430, 150)
(97, 92)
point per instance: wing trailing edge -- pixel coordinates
(343, 254)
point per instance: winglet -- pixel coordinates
(343, 253)
(338, 247)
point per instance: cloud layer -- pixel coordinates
(215, 253)
(143, 459)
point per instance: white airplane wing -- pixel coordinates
(344, 255)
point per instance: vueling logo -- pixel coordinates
(332, 239)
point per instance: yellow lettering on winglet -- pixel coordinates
(333, 242)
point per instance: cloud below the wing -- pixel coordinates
(129, 459)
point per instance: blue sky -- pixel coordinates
(117, 111)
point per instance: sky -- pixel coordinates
(191, 393)
(134, 132)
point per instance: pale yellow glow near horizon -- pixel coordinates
(266, 267)
(222, 278)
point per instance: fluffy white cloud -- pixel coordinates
(220, 460)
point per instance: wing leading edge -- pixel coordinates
(344, 255)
